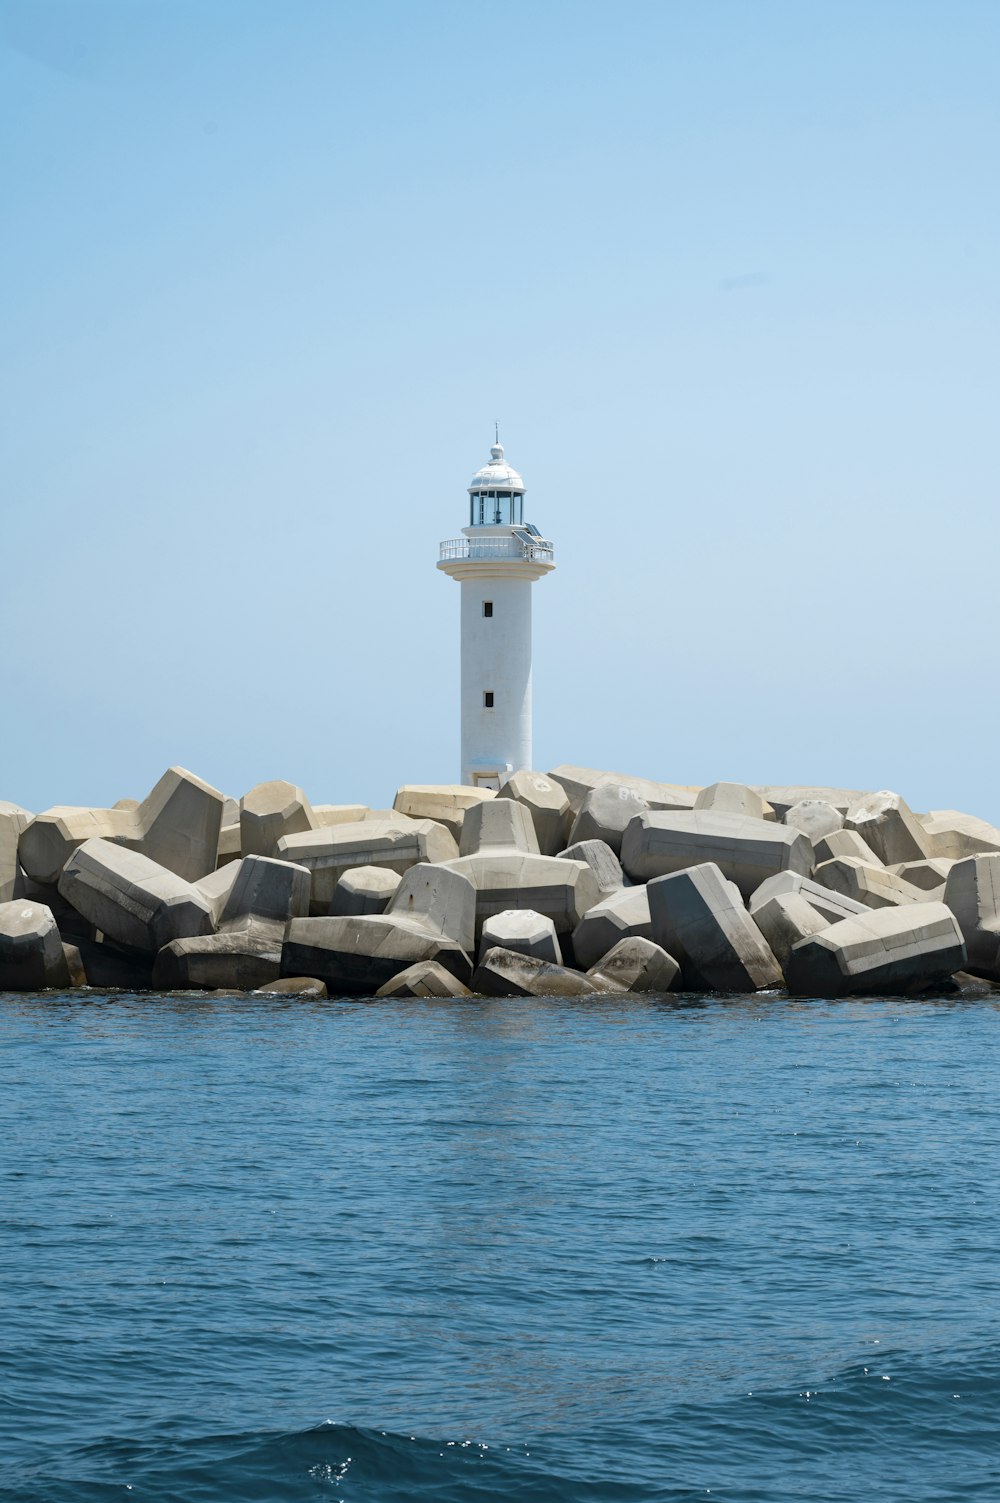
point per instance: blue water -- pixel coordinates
(580, 1250)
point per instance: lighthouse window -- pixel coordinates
(487, 607)
(488, 699)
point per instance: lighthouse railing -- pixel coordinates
(457, 548)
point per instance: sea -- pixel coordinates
(738, 1249)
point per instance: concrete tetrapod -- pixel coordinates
(782, 798)
(31, 951)
(955, 836)
(747, 851)
(886, 823)
(328, 815)
(395, 844)
(844, 843)
(425, 979)
(602, 862)
(364, 889)
(972, 893)
(246, 951)
(875, 886)
(448, 803)
(177, 825)
(888, 950)
(815, 818)
(13, 822)
(504, 973)
(293, 986)
(621, 915)
(734, 798)
(605, 814)
(635, 965)
(562, 890)
(269, 811)
(522, 930)
(929, 875)
(697, 917)
(784, 920)
(132, 899)
(547, 804)
(431, 917)
(579, 781)
(503, 825)
(830, 905)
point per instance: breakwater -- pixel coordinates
(572, 883)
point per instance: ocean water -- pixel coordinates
(740, 1249)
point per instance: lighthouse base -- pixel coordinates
(487, 775)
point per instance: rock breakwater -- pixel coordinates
(573, 882)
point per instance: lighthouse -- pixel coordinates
(496, 561)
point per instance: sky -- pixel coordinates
(726, 274)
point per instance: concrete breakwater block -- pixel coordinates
(561, 890)
(698, 917)
(874, 886)
(635, 965)
(269, 811)
(395, 844)
(356, 956)
(577, 782)
(602, 862)
(246, 952)
(501, 825)
(525, 932)
(886, 823)
(621, 915)
(894, 950)
(425, 979)
(177, 825)
(605, 814)
(929, 876)
(734, 798)
(447, 803)
(431, 917)
(785, 919)
(972, 894)
(955, 836)
(782, 797)
(844, 843)
(306, 987)
(830, 904)
(364, 889)
(13, 822)
(242, 959)
(32, 958)
(132, 899)
(747, 851)
(504, 973)
(815, 818)
(547, 804)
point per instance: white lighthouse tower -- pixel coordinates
(496, 560)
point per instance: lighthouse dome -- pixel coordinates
(497, 475)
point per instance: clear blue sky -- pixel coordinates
(727, 273)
